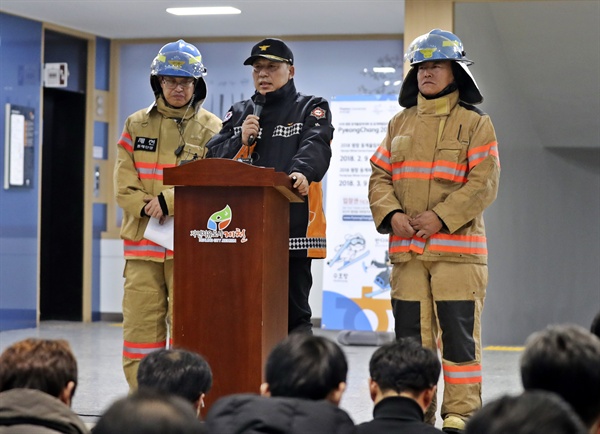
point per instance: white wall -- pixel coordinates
(112, 264)
(316, 293)
(543, 230)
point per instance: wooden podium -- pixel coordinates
(231, 267)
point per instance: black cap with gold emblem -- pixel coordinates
(272, 49)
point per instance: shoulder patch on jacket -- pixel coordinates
(318, 113)
(228, 116)
(145, 144)
(471, 108)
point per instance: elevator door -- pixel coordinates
(63, 163)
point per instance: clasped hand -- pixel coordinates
(423, 225)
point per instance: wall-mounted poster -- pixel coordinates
(18, 146)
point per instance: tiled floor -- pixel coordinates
(97, 347)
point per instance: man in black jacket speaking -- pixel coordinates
(291, 132)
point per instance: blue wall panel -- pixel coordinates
(20, 83)
(102, 63)
(101, 139)
(101, 142)
(99, 226)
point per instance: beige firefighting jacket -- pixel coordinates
(146, 147)
(439, 155)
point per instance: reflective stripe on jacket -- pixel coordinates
(145, 249)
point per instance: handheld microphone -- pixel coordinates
(259, 103)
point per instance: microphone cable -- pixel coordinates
(181, 128)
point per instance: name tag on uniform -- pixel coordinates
(145, 144)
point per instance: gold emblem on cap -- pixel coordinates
(263, 47)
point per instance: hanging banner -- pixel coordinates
(356, 288)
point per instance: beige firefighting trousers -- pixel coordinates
(147, 310)
(441, 303)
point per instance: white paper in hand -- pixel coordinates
(161, 234)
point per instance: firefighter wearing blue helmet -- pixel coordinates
(433, 175)
(172, 129)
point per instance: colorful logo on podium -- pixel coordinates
(220, 219)
(215, 229)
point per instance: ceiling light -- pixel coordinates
(384, 69)
(212, 10)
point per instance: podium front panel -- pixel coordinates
(231, 280)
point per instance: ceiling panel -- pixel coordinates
(134, 19)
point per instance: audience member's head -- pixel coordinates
(565, 359)
(595, 327)
(404, 368)
(149, 412)
(254, 414)
(178, 372)
(306, 366)
(533, 412)
(47, 365)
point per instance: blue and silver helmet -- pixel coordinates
(438, 45)
(179, 59)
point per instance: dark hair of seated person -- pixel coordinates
(176, 371)
(565, 359)
(149, 412)
(47, 365)
(533, 412)
(305, 366)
